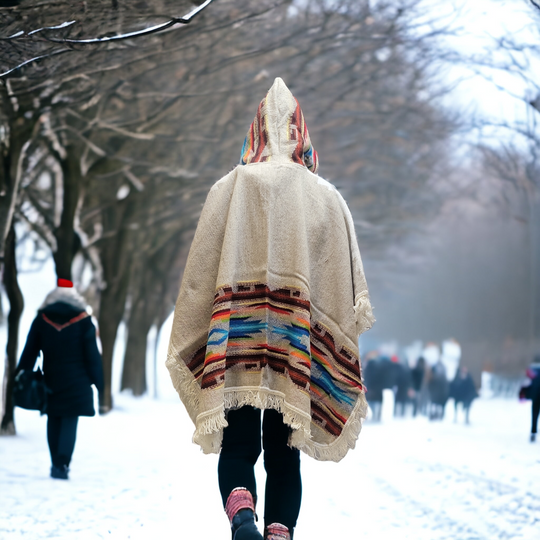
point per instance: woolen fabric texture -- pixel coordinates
(64, 332)
(274, 296)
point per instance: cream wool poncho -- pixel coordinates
(274, 297)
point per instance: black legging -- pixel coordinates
(240, 450)
(61, 435)
(535, 414)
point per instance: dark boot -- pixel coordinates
(243, 526)
(533, 437)
(240, 510)
(60, 473)
(277, 531)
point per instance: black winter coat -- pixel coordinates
(417, 376)
(438, 387)
(403, 382)
(373, 380)
(71, 359)
(462, 389)
(534, 391)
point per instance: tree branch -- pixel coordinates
(34, 60)
(22, 35)
(130, 35)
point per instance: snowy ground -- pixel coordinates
(135, 474)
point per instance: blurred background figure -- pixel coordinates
(373, 379)
(450, 357)
(404, 392)
(418, 373)
(64, 332)
(532, 392)
(431, 354)
(438, 391)
(389, 369)
(463, 390)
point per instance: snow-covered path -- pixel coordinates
(135, 474)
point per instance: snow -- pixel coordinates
(136, 474)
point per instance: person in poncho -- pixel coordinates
(271, 304)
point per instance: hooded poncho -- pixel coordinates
(273, 296)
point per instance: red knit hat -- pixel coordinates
(64, 283)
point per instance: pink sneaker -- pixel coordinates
(240, 509)
(277, 531)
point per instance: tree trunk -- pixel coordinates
(12, 150)
(111, 312)
(147, 286)
(116, 257)
(2, 315)
(134, 369)
(68, 242)
(16, 303)
(8, 193)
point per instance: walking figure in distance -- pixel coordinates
(373, 378)
(463, 390)
(438, 389)
(418, 373)
(532, 392)
(272, 301)
(63, 331)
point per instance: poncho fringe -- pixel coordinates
(363, 312)
(210, 425)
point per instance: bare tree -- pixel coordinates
(520, 171)
(22, 116)
(137, 135)
(16, 301)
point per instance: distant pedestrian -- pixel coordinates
(389, 372)
(373, 379)
(417, 376)
(403, 389)
(533, 393)
(463, 390)
(63, 331)
(272, 301)
(438, 391)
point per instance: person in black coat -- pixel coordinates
(438, 391)
(417, 377)
(533, 393)
(373, 378)
(403, 389)
(64, 332)
(463, 390)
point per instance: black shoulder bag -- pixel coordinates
(30, 391)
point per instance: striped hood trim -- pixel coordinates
(279, 131)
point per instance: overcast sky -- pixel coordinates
(488, 93)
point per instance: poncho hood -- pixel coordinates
(279, 132)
